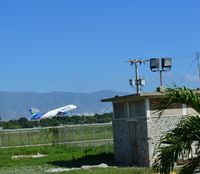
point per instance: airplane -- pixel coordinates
(36, 115)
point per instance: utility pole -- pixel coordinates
(197, 57)
(161, 78)
(138, 81)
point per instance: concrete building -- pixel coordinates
(136, 127)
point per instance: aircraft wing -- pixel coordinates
(62, 113)
(66, 110)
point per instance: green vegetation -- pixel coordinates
(56, 121)
(60, 157)
(178, 142)
(61, 153)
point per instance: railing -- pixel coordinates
(72, 136)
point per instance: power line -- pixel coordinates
(189, 67)
(197, 57)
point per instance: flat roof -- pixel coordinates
(134, 96)
(139, 96)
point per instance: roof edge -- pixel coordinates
(134, 96)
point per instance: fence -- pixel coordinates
(73, 136)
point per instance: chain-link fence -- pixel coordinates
(73, 136)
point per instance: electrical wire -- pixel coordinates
(189, 67)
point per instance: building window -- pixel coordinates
(137, 108)
(120, 110)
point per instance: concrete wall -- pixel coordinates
(158, 127)
(137, 129)
(131, 142)
(172, 110)
(142, 142)
(190, 111)
(138, 149)
(121, 142)
(130, 133)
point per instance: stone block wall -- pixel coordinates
(142, 142)
(121, 139)
(156, 127)
(148, 132)
(128, 147)
(137, 129)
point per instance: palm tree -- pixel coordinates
(178, 142)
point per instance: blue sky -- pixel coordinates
(83, 46)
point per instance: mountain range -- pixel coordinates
(14, 105)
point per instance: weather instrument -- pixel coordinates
(139, 81)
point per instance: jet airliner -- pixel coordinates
(65, 110)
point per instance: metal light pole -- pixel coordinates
(161, 79)
(138, 88)
(138, 81)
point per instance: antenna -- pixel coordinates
(138, 81)
(197, 57)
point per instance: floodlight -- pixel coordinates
(166, 64)
(154, 64)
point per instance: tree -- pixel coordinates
(23, 121)
(178, 142)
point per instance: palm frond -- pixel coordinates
(193, 163)
(176, 143)
(182, 95)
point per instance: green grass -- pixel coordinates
(126, 170)
(61, 157)
(42, 170)
(55, 154)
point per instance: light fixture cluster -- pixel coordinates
(166, 64)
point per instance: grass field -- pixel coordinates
(60, 157)
(66, 156)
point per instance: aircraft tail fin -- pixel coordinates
(34, 111)
(35, 115)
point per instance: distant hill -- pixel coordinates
(16, 104)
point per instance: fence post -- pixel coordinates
(93, 136)
(29, 138)
(38, 136)
(20, 135)
(83, 139)
(1, 137)
(105, 137)
(74, 136)
(65, 133)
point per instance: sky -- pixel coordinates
(83, 46)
